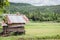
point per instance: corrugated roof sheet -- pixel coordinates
(17, 19)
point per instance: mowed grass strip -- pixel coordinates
(43, 25)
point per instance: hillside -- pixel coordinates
(40, 13)
(20, 4)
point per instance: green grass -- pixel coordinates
(41, 30)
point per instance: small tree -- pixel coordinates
(3, 5)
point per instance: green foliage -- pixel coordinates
(3, 5)
(37, 13)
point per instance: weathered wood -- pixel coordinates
(14, 23)
(7, 29)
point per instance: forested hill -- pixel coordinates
(20, 4)
(40, 13)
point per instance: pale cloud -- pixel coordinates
(25, 1)
(38, 2)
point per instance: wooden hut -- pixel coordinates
(14, 23)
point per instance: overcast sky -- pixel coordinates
(38, 2)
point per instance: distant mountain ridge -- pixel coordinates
(14, 7)
(21, 4)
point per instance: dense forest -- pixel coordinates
(36, 13)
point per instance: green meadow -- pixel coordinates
(38, 30)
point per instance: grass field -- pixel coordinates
(43, 30)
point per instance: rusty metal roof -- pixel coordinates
(17, 19)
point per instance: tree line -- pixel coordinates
(36, 13)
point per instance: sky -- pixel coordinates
(38, 2)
